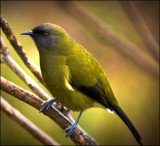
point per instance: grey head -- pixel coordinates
(46, 35)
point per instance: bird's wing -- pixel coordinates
(95, 92)
(87, 76)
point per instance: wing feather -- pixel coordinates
(95, 92)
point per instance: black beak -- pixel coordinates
(30, 32)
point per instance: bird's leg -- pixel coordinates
(47, 104)
(72, 127)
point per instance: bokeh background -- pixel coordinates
(136, 89)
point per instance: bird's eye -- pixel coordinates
(45, 34)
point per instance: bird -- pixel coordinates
(73, 75)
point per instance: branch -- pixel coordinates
(18, 70)
(6, 58)
(139, 23)
(79, 137)
(19, 49)
(125, 46)
(28, 62)
(26, 124)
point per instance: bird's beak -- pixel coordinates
(30, 32)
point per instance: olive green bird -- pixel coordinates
(73, 75)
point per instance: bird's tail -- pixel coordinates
(126, 120)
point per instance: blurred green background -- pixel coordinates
(136, 90)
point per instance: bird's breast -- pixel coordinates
(54, 71)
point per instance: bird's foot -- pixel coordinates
(70, 129)
(47, 104)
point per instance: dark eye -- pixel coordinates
(45, 34)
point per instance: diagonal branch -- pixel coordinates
(19, 49)
(139, 23)
(26, 124)
(79, 137)
(126, 47)
(28, 62)
(65, 115)
(18, 70)
(13, 65)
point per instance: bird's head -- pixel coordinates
(47, 35)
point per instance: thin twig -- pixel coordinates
(19, 49)
(139, 23)
(79, 136)
(8, 32)
(18, 70)
(125, 46)
(26, 124)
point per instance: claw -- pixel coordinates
(42, 109)
(72, 127)
(47, 104)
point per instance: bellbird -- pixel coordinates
(73, 75)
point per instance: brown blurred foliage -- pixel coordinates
(136, 89)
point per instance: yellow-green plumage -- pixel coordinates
(72, 74)
(75, 64)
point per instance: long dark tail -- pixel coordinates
(126, 120)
